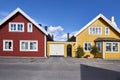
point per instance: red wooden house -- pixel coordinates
(21, 36)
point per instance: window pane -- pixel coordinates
(97, 31)
(106, 30)
(98, 45)
(31, 45)
(6, 45)
(35, 45)
(89, 46)
(108, 46)
(14, 27)
(29, 27)
(90, 30)
(93, 30)
(19, 27)
(24, 45)
(115, 47)
(10, 45)
(85, 46)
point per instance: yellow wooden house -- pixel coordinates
(103, 33)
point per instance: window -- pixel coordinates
(7, 45)
(16, 27)
(107, 31)
(98, 45)
(95, 30)
(29, 28)
(26, 45)
(108, 47)
(87, 46)
(115, 47)
(111, 46)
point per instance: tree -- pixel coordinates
(80, 52)
(94, 50)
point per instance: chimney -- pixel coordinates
(46, 28)
(52, 37)
(40, 24)
(112, 19)
(68, 36)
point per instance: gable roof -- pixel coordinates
(96, 18)
(26, 16)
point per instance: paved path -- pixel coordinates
(59, 69)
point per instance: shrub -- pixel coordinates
(94, 50)
(80, 52)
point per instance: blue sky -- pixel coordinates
(63, 16)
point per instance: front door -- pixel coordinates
(69, 50)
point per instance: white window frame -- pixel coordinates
(95, 32)
(4, 45)
(108, 31)
(29, 45)
(28, 30)
(87, 44)
(16, 23)
(112, 47)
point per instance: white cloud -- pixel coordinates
(58, 32)
(55, 29)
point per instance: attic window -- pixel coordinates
(107, 31)
(95, 30)
(29, 27)
(16, 27)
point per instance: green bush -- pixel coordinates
(94, 50)
(80, 52)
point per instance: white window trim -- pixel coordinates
(28, 27)
(29, 45)
(95, 34)
(4, 45)
(112, 47)
(108, 31)
(84, 46)
(17, 26)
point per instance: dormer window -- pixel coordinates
(16, 27)
(29, 27)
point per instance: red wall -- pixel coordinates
(17, 36)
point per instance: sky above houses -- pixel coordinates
(63, 16)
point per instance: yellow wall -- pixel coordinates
(65, 47)
(85, 37)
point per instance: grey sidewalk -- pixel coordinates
(58, 60)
